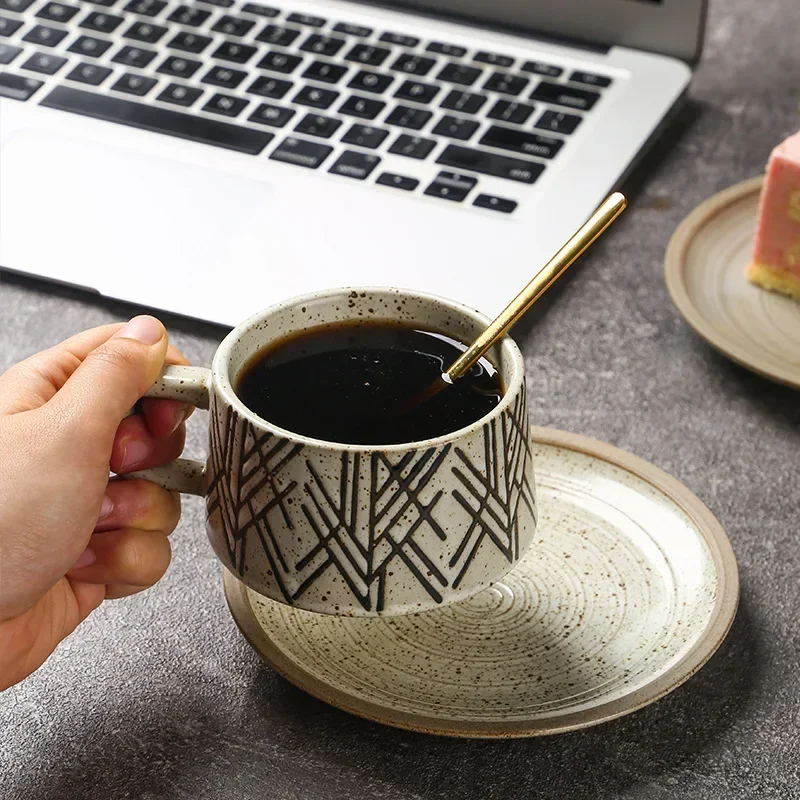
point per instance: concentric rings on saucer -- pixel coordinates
(630, 586)
(705, 273)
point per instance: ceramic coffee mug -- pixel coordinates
(358, 530)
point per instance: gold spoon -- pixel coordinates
(575, 246)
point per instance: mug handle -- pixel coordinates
(187, 385)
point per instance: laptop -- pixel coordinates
(211, 158)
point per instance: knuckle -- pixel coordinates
(114, 355)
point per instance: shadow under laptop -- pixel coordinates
(119, 309)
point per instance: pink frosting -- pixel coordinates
(777, 242)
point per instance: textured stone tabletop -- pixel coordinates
(158, 696)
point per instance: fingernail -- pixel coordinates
(106, 508)
(144, 329)
(180, 416)
(134, 453)
(87, 557)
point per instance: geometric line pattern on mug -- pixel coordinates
(362, 540)
(493, 493)
(246, 465)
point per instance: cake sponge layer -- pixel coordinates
(777, 280)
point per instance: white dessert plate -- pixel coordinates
(704, 268)
(628, 589)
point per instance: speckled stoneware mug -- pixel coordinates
(358, 530)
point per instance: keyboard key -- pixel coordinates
(456, 127)
(15, 87)
(8, 26)
(233, 26)
(8, 53)
(93, 74)
(269, 87)
(278, 35)
(562, 95)
(466, 102)
(363, 107)
(145, 32)
(89, 46)
(189, 42)
(504, 83)
(45, 63)
(307, 19)
(180, 95)
(134, 84)
(495, 203)
(189, 15)
(259, 10)
(365, 136)
(540, 68)
(138, 57)
(317, 125)
(280, 62)
(452, 50)
(417, 92)
(15, 5)
(400, 39)
(57, 12)
(512, 169)
(508, 111)
(397, 181)
(158, 120)
(316, 98)
(226, 105)
(413, 64)
(179, 67)
(558, 122)
(451, 186)
(406, 117)
(590, 79)
(100, 22)
(531, 144)
(412, 146)
(352, 30)
(494, 59)
(459, 73)
(146, 8)
(276, 116)
(322, 45)
(220, 3)
(301, 152)
(368, 54)
(370, 81)
(44, 35)
(104, 3)
(325, 72)
(355, 165)
(224, 76)
(235, 52)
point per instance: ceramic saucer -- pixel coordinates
(629, 587)
(704, 267)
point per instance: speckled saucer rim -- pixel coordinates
(675, 276)
(712, 636)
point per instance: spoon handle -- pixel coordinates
(580, 241)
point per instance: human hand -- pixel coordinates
(69, 537)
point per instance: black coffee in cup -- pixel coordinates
(351, 382)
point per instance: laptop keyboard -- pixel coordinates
(304, 90)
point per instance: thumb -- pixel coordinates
(113, 377)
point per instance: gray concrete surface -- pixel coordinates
(159, 697)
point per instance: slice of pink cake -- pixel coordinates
(776, 255)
